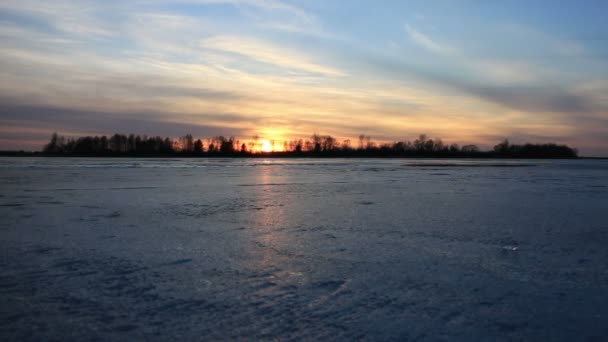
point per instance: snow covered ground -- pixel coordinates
(133, 249)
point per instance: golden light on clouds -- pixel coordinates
(286, 72)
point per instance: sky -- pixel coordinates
(465, 71)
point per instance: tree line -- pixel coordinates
(316, 146)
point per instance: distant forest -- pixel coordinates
(316, 146)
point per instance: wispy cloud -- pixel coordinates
(268, 53)
(541, 44)
(82, 18)
(426, 41)
(251, 66)
(269, 5)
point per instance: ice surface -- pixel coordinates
(338, 249)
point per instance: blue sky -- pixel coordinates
(465, 71)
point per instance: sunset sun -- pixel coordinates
(303, 170)
(266, 146)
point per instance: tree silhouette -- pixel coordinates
(54, 146)
(198, 146)
(470, 149)
(187, 142)
(318, 146)
(502, 147)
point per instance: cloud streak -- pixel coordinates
(248, 67)
(428, 43)
(267, 53)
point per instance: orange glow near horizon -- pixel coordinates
(266, 146)
(270, 146)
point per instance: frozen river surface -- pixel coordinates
(135, 249)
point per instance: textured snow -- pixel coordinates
(307, 249)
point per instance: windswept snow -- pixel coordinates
(338, 249)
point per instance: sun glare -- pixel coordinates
(271, 146)
(266, 146)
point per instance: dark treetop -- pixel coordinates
(317, 146)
